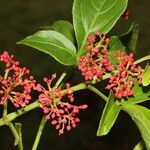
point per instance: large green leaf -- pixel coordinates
(114, 46)
(130, 38)
(65, 28)
(54, 44)
(146, 76)
(141, 94)
(109, 116)
(92, 15)
(141, 117)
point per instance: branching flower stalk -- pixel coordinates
(13, 77)
(95, 64)
(56, 105)
(44, 119)
(34, 105)
(97, 59)
(50, 100)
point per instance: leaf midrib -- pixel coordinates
(36, 41)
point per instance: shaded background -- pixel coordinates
(20, 18)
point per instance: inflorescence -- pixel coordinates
(57, 105)
(15, 85)
(95, 64)
(122, 82)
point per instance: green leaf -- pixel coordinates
(139, 146)
(109, 116)
(141, 94)
(92, 15)
(146, 76)
(65, 28)
(114, 46)
(131, 37)
(141, 117)
(54, 44)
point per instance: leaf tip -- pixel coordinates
(19, 42)
(101, 132)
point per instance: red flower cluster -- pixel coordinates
(62, 113)
(14, 85)
(95, 63)
(122, 82)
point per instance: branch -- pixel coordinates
(39, 133)
(6, 119)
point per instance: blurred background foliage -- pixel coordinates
(20, 18)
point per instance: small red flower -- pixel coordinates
(126, 14)
(57, 106)
(15, 85)
(122, 82)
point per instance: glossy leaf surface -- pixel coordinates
(54, 44)
(92, 15)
